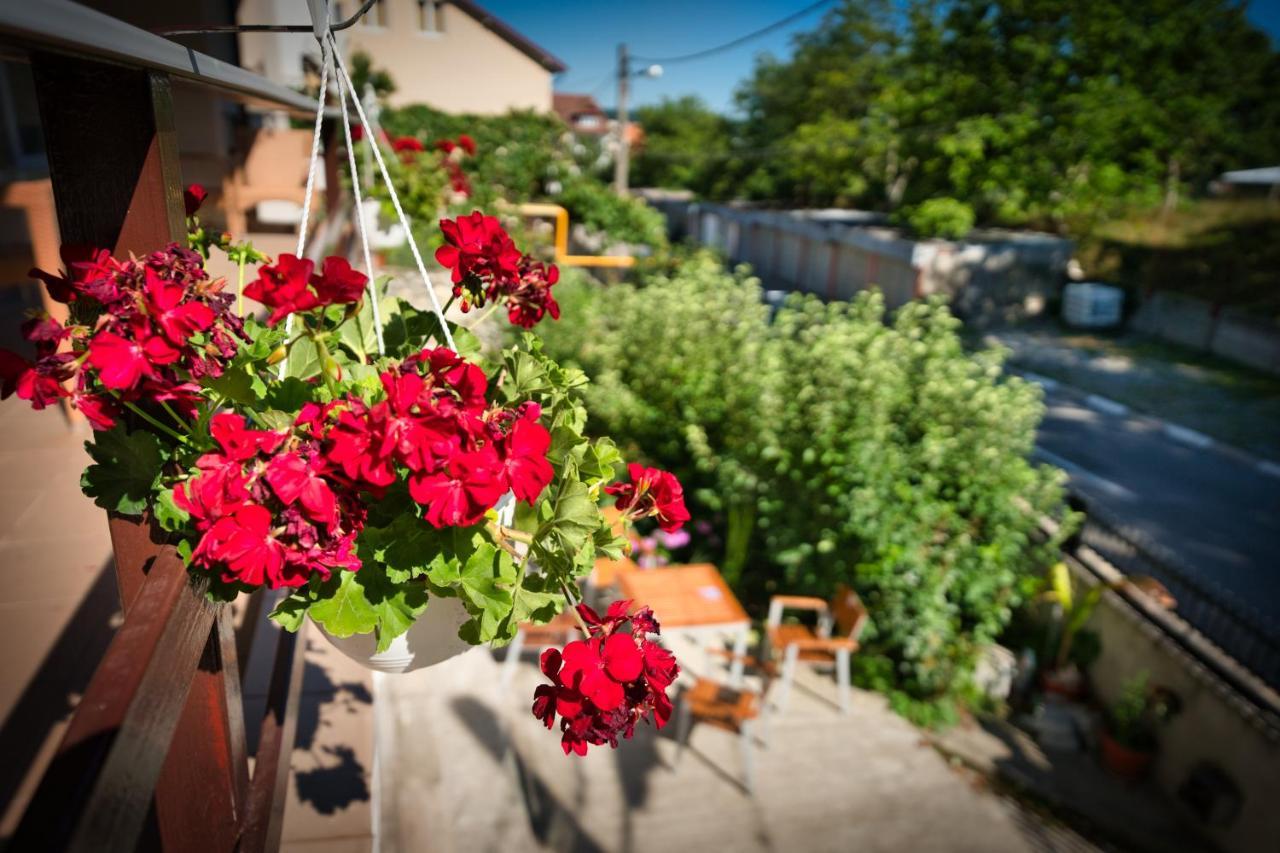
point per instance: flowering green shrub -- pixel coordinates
(831, 446)
(601, 209)
(527, 156)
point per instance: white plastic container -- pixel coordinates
(433, 638)
(1090, 305)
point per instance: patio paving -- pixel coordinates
(465, 766)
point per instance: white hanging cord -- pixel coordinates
(345, 79)
(360, 225)
(311, 177)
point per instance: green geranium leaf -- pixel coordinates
(238, 384)
(168, 513)
(126, 470)
(289, 394)
(264, 339)
(304, 359)
(291, 611)
(599, 462)
(396, 605)
(343, 609)
(486, 580)
(538, 600)
(574, 517)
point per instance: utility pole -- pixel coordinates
(622, 158)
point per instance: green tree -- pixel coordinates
(683, 140)
(1054, 113)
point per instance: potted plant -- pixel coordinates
(1063, 675)
(1129, 730)
(363, 459)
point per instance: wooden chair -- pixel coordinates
(831, 643)
(736, 709)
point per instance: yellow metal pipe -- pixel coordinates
(562, 255)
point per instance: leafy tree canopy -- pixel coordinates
(1050, 113)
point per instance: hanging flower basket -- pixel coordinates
(431, 639)
(411, 494)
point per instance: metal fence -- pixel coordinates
(1232, 624)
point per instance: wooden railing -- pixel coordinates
(155, 755)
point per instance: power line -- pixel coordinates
(729, 45)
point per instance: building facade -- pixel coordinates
(448, 54)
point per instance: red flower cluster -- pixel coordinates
(486, 265)
(459, 454)
(651, 492)
(530, 298)
(269, 507)
(603, 685)
(143, 329)
(453, 151)
(291, 285)
(407, 147)
(463, 143)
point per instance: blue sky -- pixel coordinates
(586, 35)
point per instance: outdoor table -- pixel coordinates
(690, 596)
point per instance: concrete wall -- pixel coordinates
(1198, 324)
(1216, 723)
(996, 277)
(461, 68)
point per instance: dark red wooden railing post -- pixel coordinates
(113, 158)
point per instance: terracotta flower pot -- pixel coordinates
(1124, 761)
(431, 639)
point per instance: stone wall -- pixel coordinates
(1196, 323)
(994, 277)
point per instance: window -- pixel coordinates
(376, 16)
(430, 16)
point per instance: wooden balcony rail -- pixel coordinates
(155, 756)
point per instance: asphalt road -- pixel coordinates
(1218, 514)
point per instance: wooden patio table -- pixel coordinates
(691, 596)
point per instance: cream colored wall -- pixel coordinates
(1212, 725)
(464, 69)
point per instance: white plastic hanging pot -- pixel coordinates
(431, 639)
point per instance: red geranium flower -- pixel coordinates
(177, 319)
(338, 283)
(291, 285)
(467, 144)
(284, 287)
(238, 441)
(40, 383)
(523, 456)
(121, 363)
(601, 687)
(293, 479)
(244, 543)
(530, 299)
(598, 668)
(478, 247)
(100, 411)
(192, 197)
(651, 492)
(460, 494)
